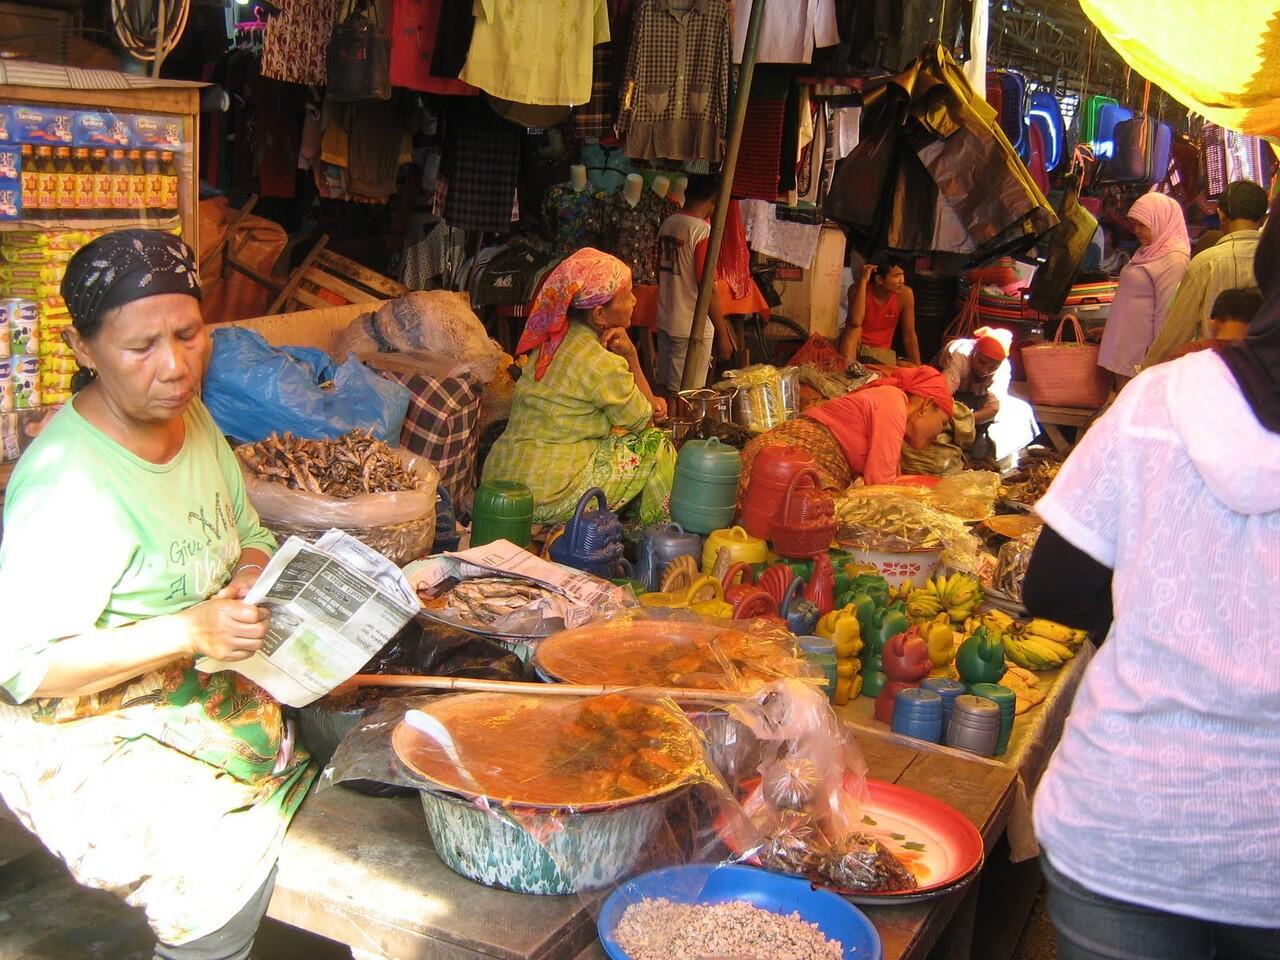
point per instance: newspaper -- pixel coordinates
(578, 597)
(334, 604)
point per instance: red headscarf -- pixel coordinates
(585, 279)
(993, 342)
(923, 382)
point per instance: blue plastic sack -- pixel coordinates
(253, 388)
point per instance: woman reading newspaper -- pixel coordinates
(169, 787)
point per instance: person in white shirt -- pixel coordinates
(1227, 265)
(682, 254)
(1158, 815)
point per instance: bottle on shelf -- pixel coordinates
(154, 197)
(169, 175)
(137, 185)
(30, 182)
(119, 184)
(84, 177)
(47, 183)
(102, 183)
(64, 201)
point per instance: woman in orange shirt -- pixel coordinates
(861, 434)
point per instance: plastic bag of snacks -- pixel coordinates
(1011, 564)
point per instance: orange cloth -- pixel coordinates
(870, 426)
(924, 382)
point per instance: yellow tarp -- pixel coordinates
(1221, 58)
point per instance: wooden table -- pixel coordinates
(1051, 418)
(362, 871)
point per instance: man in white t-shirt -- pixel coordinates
(682, 254)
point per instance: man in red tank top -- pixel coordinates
(879, 302)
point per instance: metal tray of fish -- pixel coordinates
(481, 605)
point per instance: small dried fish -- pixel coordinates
(489, 599)
(353, 464)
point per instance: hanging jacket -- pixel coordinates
(928, 124)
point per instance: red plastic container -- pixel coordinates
(807, 521)
(771, 474)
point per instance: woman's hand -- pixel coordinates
(224, 628)
(659, 409)
(240, 584)
(617, 340)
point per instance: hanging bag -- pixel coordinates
(1063, 374)
(358, 60)
(1135, 143)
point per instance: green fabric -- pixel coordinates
(561, 430)
(634, 468)
(97, 537)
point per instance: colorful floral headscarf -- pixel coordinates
(586, 279)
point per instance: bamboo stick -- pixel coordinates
(538, 689)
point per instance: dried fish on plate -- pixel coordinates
(354, 464)
(484, 601)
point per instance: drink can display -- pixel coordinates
(24, 327)
(26, 382)
(6, 385)
(5, 305)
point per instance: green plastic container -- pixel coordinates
(503, 511)
(1006, 700)
(705, 492)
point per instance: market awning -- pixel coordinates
(1224, 67)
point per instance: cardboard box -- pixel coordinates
(42, 126)
(95, 128)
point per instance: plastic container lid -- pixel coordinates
(710, 460)
(916, 702)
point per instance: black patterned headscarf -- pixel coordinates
(120, 267)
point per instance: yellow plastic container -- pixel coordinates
(705, 597)
(742, 547)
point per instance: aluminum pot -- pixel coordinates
(707, 404)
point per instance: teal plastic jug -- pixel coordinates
(705, 493)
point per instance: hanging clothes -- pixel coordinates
(756, 176)
(296, 40)
(453, 38)
(415, 27)
(676, 95)
(947, 182)
(280, 108)
(482, 163)
(572, 217)
(631, 233)
(594, 119)
(536, 51)
(789, 32)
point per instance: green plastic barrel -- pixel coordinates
(503, 511)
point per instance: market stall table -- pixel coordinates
(1051, 418)
(363, 871)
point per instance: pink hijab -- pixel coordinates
(585, 279)
(1162, 215)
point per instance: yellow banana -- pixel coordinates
(1050, 630)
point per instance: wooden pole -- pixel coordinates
(699, 355)
(538, 689)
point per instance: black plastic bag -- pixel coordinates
(358, 61)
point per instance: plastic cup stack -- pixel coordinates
(974, 725)
(821, 652)
(918, 713)
(948, 690)
(1003, 698)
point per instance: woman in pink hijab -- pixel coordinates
(1147, 284)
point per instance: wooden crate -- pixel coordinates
(325, 280)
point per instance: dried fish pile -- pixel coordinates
(347, 467)
(662, 930)
(486, 600)
(1031, 484)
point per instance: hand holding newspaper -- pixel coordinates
(333, 604)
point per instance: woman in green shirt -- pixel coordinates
(169, 787)
(582, 413)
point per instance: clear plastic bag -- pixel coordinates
(435, 320)
(1012, 562)
(401, 525)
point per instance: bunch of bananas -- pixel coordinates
(902, 592)
(1041, 644)
(957, 596)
